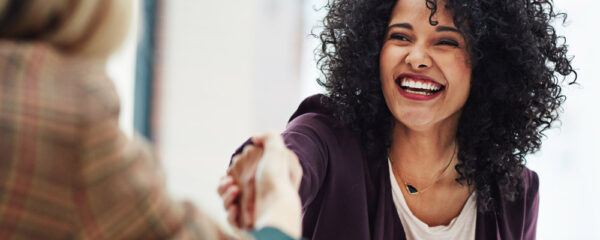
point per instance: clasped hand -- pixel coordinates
(261, 186)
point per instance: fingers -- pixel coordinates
(243, 173)
(246, 149)
(234, 162)
(250, 220)
(276, 165)
(233, 215)
(235, 158)
(244, 164)
(224, 184)
(278, 162)
(247, 201)
(245, 169)
(252, 152)
(231, 194)
(259, 140)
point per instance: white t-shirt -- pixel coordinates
(461, 227)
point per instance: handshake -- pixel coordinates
(261, 187)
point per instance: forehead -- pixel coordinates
(416, 12)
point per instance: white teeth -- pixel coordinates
(409, 83)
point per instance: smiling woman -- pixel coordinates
(417, 55)
(504, 61)
(431, 109)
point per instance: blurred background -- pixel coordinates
(199, 77)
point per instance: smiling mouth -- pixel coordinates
(419, 86)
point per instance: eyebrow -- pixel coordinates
(447, 29)
(438, 29)
(400, 25)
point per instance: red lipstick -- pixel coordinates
(418, 87)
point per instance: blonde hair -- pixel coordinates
(86, 27)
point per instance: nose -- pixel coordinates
(418, 58)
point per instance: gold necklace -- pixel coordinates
(412, 190)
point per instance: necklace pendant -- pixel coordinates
(411, 189)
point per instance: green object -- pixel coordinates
(270, 233)
(144, 71)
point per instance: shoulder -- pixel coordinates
(529, 187)
(314, 118)
(524, 203)
(92, 92)
(313, 133)
(316, 104)
(34, 85)
(527, 195)
(530, 182)
(99, 97)
(518, 217)
(58, 89)
(313, 113)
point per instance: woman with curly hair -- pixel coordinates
(431, 109)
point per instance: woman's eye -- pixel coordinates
(448, 43)
(399, 37)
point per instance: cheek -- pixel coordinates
(384, 59)
(463, 73)
(390, 57)
(463, 65)
(385, 68)
(458, 72)
(387, 63)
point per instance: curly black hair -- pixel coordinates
(515, 96)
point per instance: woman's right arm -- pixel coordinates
(307, 137)
(304, 137)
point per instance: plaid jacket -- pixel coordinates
(66, 169)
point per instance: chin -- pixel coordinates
(415, 121)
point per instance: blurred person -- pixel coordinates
(66, 169)
(431, 108)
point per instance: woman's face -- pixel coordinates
(425, 71)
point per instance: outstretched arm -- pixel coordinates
(261, 189)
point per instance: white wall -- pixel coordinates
(568, 164)
(231, 69)
(313, 13)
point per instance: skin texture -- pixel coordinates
(424, 130)
(426, 51)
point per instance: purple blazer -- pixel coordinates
(342, 199)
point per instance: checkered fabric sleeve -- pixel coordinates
(66, 169)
